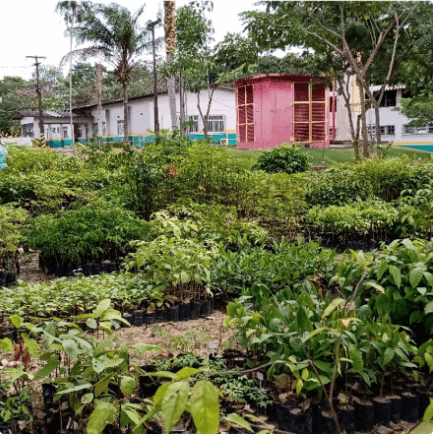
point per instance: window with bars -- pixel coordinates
(120, 124)
(65, 132)
(104, 129)
(95, 129)
(215, 124)
(246, 114)
(309, 113)
(194, 127)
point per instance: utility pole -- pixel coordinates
(151, 25)
(39, 93)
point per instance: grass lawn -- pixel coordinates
(329, 156)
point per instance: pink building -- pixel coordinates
(277, 108)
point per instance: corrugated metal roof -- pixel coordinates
(377, 88)
(17, 115)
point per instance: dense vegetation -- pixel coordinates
(191, 220)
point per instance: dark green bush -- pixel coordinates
(283, 159)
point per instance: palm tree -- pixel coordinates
(117, 37)
(170, 44)
(71, 11)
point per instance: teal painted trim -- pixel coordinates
(427, 147)
(232, 136)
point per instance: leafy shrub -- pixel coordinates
(373, 217)
(85, 233)
(285, 159)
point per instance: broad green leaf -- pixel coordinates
(360, 259)
(415, 277)
(205, 407)
(429, 308)
(356, 357)
(174, 404)
(184, 277)
(73, 389)
(100, 364)
(388, 356)
(383, 305)
(103, 414)
(70, 348)
(185, 373)
(429, 278)
(315, 332)
(101, 308)
(162, 374)
(334, 304)
(91, 323)
(160, 393)
(382, 269)
(87, 398)
(396, 274)
(146, 348)
(305, 374)
(299, 386)
(16, 320)
(428, 414)
(51, 365)
(32, 346)
(127, 385)
(302, 320)
(6, 345)
(375, 286)
(236, 419)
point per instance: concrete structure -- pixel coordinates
(277, 108)
(108, 122)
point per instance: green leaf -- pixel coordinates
(91, 323)
(103, 414)
(205, 407)
(185, 373)
(428, 414)
(302, 320)
(299, 386)
(16, 320)
(162, 374)
(415, 277)
(305, 374)
(100, 364)
(32, 346)
(383, 305)
(428, 308)
(160, 393)
(184, 277)
(236, 419)
(146, 348)
(101, 308)
(396, 274)
(388, 356)
(73, 389)
(51, 365)
(127, 385)
(334, 304)
(174, 404)
(382, 269)
(70, 348)
(360, 259)
(87, 398)
(315, 332)
(429, 278)
(6, 345)
(356, 357)
(375, 286)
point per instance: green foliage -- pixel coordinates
(11, 220)
(100, 230)
(283, 159)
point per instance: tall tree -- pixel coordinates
(117, 37)
(354, 31)
(170, 44)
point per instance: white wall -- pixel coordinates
(16, 141)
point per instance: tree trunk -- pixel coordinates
(182, 103)
(125, 114)
(365, 142)
(170, 43)
(155, 86)
(203, 117)
(377, 114)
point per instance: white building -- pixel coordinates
(109, 121)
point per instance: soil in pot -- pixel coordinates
(195, 310)
(409, 407)
(382, 411)
(69, 270)
(284, 417)
(184, 312)
(148, 385)
(161, 316)
(173, 313)
(48, 392)
(301, 422)
(271, 411)
(364, 415)
(424, 400)
(87, 269)
(138, 318)
(346, 416)
(128, 317)
(396, 402)
(60, 270)
(205, 308)
(96, 268)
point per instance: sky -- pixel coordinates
(30, 27)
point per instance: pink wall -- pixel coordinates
(273, 111)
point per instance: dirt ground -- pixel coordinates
(30, 271)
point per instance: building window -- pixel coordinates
(80, 131)
(95, 129)
(423, 130)
(87, 130)
(245, 100)
(390, 130)
(120, 124)
(430, 128)
(194, 128)
(215, 123)
(53, 130)
(389, 99)
(28, 131)
(104, 129)
(65, 132)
